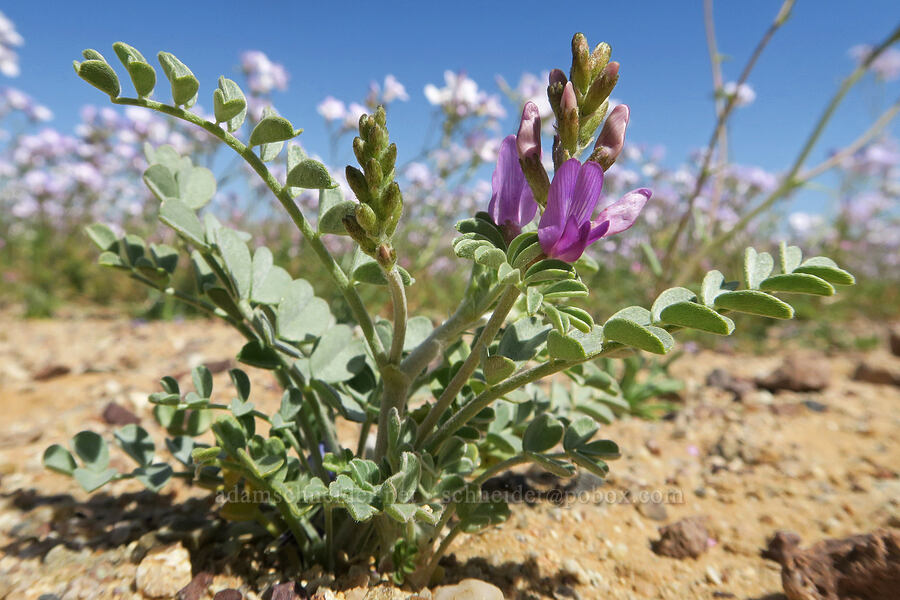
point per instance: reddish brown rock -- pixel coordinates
(50, 372)
(798, 373)
(197, 587)
(876, 374)
(116, 414)
(860, 567)
(682, 539)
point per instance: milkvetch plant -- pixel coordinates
(440, 407)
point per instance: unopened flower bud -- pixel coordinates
(588, 125)
(374, 176)
(359, 149)
(393, 207)
(555, 90)
(366, 218)
(528, 140)
(612, 137)
(359, 234)
(568, 123)
(601, 88)
(388, 160)
(580, 73)
(357, 182)
(599, 59)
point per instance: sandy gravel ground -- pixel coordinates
(822, 464)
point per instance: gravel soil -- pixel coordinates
(822, 464)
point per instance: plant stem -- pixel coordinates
(445, 543)
(500, 467)
(789, 182)
(283, 195)
(484, 399)
(504, 305)
(398, 300)
(838, 157)
(715, 63)
(724, 114)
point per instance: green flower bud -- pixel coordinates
(388, 160)
(599, 59)
(357, 182)
(568, 124)
(555, 90)
(601, 88)
(366, 218)
(359, 150)
(359, 235)
(374, 176)
(580, 74)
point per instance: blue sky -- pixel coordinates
(337, 48)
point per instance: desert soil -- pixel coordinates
(823, 464)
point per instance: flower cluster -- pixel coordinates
(9, 39)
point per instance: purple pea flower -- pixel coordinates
(512, 204)
(565, 228)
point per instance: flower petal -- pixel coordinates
(587, 192)
(598, 230)
(624, 212)
(507, 182)
(572, 243)
(559, 198)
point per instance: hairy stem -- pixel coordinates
(724, 114)
(283, 195)
(398, 299)
(790, 180)
(504, 305)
